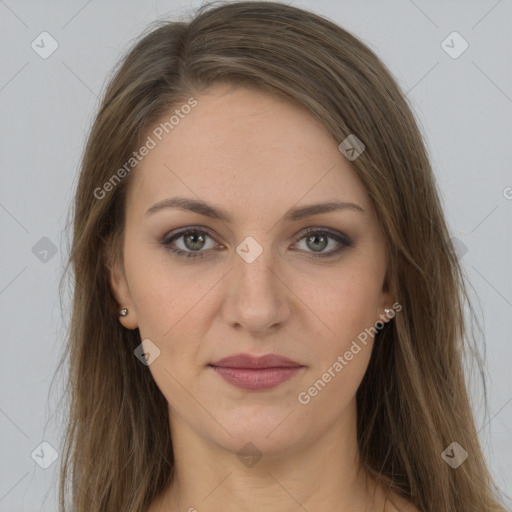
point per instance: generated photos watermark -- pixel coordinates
(304, 397)
(158, 134)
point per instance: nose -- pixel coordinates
(256, 295)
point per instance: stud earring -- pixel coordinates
(123, 312)
(388, 311)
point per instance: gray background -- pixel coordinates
(463, 105)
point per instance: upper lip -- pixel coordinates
(250, 361)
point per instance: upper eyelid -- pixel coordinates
(185, 231)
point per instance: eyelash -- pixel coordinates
(342, 239)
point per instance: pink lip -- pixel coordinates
(256, 373)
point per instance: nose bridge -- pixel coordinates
(257, 298)
(254, 266)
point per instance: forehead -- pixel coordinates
(246, 148)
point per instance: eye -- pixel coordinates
(189, 242)
(193, 242)
(318, 239)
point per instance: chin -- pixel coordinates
(266, 432)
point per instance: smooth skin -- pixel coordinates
(255, 156)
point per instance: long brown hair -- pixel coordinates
(413, 402)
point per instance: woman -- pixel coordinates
(268, 309)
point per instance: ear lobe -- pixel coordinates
(386, 311)
(387, 301)
(120, 290)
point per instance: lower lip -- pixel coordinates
(256, 379)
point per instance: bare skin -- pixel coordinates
(256, 157)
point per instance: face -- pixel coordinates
(258, 280)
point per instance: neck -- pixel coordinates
(316, 476)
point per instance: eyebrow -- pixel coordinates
(208, 210)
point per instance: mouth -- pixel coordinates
(256, 373)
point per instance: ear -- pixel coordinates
(387, 302)
(120, 289)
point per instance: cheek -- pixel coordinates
(346, 302)
(342, 303)
(340, 354)
(166, 296)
